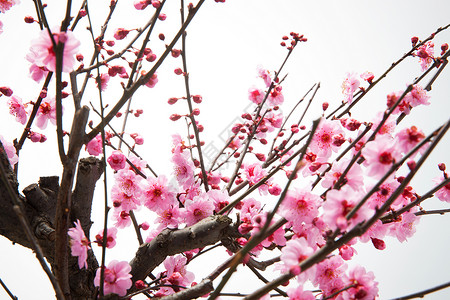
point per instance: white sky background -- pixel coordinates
(225, 44)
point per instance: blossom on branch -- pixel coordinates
(17, 109)
(117, 278)
(79, 244)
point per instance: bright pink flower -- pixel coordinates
(117, 160)
(295, 251)
(36, 137)
(117, 278)
(114, 70)
(354, 177)
(349, 86)
(444, 193)
(339, 203)
(256, 95)
(137, 162)
(79, 244)
(128, 182)
(367, 76)
(265, 75)
(365, 289)
(380, 155)
(10, 151)
(124, 199)
(6, 5)
(198, 209)
(254, 173)
(275, 96)
(417, 96)
(176, 271)
(152, 81)
(330, 270)
(95, 147)
(276, 238)
(384, 192)
(300, 206)
(404, 227)
(250, 208)
(171, 217)
(425, 54)
(110, 237)
(121, 33)
(141, 4)
(122, 218)
(347, 252)
(219, 198)
(17, 109)
(158, 194)
(45, 54)
(408, 138)
(183, 169)
(323, 140)
(46, 112)
(299, 294)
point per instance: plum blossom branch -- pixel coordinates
(422, 294)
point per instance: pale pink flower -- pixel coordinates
(295, 251)
(299, 294)
(176, 271)
(366, 288)
(95, 146)
(388, 126)
(117, 278)
(330, 270)
(17, 109)
(110, 237)
(124, 199)
(425, 54)
(171, 217)
(444, 193)
(275, 96)
(408, 138)
(380, 155)
(323, 141)
(139, 163)
(128, 182)
(1, 27)
(377, 231)
(277, 238)
(45, 54)
(219, 198)
(256, 95)
(183, 169)
(6, 5)
(46, 112)
(117, 160)
(254, 173)
(265, 75)
(36, 72)
(367, 76)
(349, 86)
(339, 203)
(354, 177)
(384, 192)
(122, 218)
(158, 195)
(79, 244)
(104, 79)
(417, 96)
(198, 209)
(10, 151)
(404, 227)
(300, 206)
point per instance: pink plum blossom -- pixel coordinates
(365, 287)
(117, 160)
(299, 294)
(17, 109)
(444, 193)
(46, 112)
(349, 86)
(45, 54)
(36, 72)
(6, 5)
(404, 227)
(124, 199)
(171, 217)
(219, 198)
(176, 271)
(388, 126)
(254, 173)
(110, 237)
(10, 151)
(79, 244)
(36, 137)
(425, 54)
(128, 182)
(197, 209)
(95, 146)
(275, 96)
(117, 278)
(384, 192)
(408, 138)
(256, 95)
(153, 80)
(300, 206)
(367, 76)
(380, 155)
(354, 177)
(265, 75)
(141, 4)
(323, 141)
(277, 238)
(339, 203)
(417, 96)
(183, 169)
(104, 79)
(330, 271)
(122, 218)
(158, 195)
(295, 251)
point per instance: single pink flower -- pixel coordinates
(380, 155)
(128, 182)
(176, 271)
(404, 227)
(295, 251)
(388, 126)
(198, 209)
(425, 53)
(117, 278)
(17, 109)
(354, 177)
(79, 244)
(254, 173)
(45, 54)
(95, 146)
(256, 95)
(152, 81)
(121, 33)
(36, 137)
(323, 141)
(265, 75)
(417, 96)
(122, 218)
(347, 252)
(184, 169)
(171, 217)
(104, 79)
(444, 193)
(330, 270)
(6, 5)
(10, 151)
(384, 192)
(117, 160)
(158, 195)
(367, 76)
(366, 288)
(141, 4)
(36, 72)
(46, 112)
(275, 96)
(349, 86)
(300, 206)
(299, 294)
(219, 198)
(110, 237)
(408, 138)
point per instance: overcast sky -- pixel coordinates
(226, 42)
